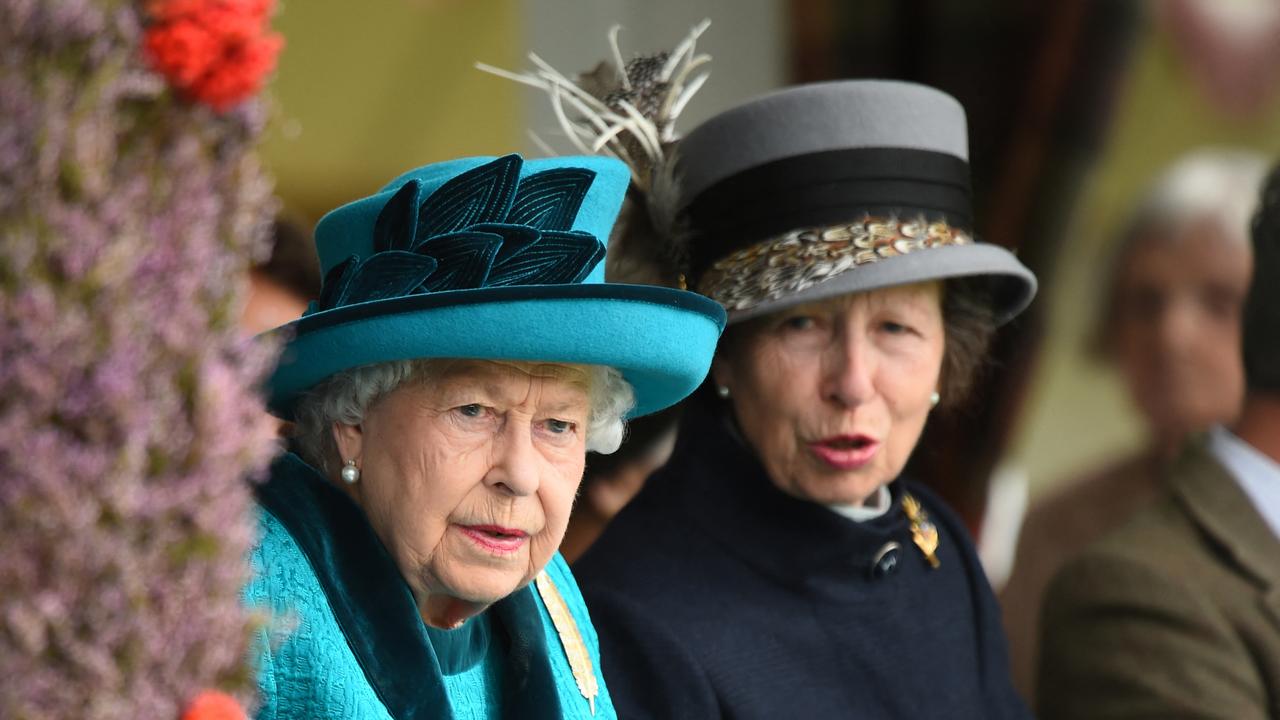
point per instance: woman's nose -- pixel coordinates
(848, 377)
(514, 469)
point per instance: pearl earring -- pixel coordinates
(350, 473)
(934, 399)
(722, 391)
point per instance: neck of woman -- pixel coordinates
(448, 613)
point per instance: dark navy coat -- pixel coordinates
(717, 595)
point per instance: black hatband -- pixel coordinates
(825, 188)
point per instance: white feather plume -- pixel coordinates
(600, 117)
(628, 109)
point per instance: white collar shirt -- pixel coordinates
(1257, 474)
(875, 506)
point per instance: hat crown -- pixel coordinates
(817, 156)
(470, 224)
(821, 117)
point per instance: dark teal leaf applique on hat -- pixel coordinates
(464, 260)
(335, 283)
(484, 228)
(557, 258)
(550, 200)
(515, 238)
(582, 253)
(397, 224)
(480, 195)
(389, 274)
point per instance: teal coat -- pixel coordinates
(343, 638)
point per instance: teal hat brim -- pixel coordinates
(661, 340)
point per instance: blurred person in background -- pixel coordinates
(281, 286)
(612, 480)
(1170, 324)
(1177, 612)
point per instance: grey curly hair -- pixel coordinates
(345, 398)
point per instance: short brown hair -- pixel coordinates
(968, 314)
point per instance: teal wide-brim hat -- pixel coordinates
(496, 259)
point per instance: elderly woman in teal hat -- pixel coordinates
(463, 356)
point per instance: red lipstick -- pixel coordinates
(495, 539)
(845, 452)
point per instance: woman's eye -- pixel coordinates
(560, 427)
(895, 328)
(472, 411)
(800, 322)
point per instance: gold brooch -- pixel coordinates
(574, 648)
(923, 532)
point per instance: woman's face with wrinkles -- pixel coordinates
(468, 478)
(833, 395)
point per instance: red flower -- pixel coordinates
(214, 705)
(217, 52)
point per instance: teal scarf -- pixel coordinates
(377, 613)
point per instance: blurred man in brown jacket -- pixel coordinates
(1171, 316)
(1177, 613)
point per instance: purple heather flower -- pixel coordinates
(128, 422)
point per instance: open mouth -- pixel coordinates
(845, 452)
(848, 443)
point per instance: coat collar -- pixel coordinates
(1214, 500)
(723, 488)
(377, 613)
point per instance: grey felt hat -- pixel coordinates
(834, 188)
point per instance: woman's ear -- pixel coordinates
(721, 373)
(350, 441)
(722, 362)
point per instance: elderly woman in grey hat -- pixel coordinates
(780, 565)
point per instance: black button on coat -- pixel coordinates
(717, 595)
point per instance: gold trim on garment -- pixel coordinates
(574, 648)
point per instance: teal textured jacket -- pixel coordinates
(343, 638)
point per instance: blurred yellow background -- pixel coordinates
(367, 90)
